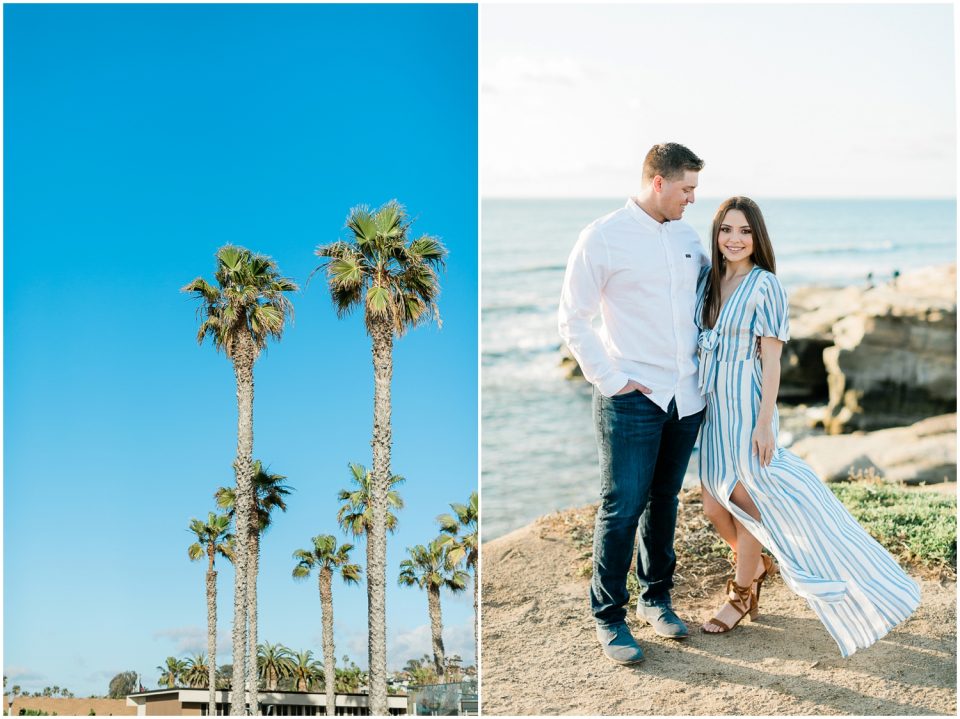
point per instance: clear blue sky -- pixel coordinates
(138, 140)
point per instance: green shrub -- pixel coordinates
(916, 526)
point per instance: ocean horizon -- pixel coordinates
(538, 449)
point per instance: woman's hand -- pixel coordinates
(763, 443)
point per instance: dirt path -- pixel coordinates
(540, 654)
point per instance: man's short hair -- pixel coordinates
(669, 160)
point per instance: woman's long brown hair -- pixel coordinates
(762, 255)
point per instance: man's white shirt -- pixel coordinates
(640, 277)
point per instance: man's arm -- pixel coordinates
(579, 303)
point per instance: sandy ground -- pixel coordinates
(541, 656)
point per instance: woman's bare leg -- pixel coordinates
(721, 519)
(748, 549)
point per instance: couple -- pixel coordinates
(661, 298)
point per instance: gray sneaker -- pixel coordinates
(618, 644)
(663, 619)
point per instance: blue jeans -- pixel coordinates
(644, 453)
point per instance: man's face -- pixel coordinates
(675, 195)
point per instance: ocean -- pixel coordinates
(538, 449)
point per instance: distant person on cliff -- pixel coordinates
(757, 493)
(637, 270)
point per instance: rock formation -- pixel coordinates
(923, 452)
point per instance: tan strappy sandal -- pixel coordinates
(769, 567)
(742, 600)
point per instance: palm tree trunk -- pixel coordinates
(436, 629)
(253, 567)
(382, 334)
(476, 642)
(329, 658)
(212, 636)
(244, 355)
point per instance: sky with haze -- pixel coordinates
(780, 100)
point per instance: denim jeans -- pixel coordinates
(644, 453)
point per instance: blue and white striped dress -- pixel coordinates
(856, 588)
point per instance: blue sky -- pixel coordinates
(138, 140)
(779, 99)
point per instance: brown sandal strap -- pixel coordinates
(717, 623)
(744, 595)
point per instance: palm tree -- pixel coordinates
(170, 672)
(460, 532)
(213, 538)
(421, 671)
(350, 677)
(304, 670)
(430, 568)
(394, 279)
(196, 674)
(356, 515)
(273, 664)
(247, 306)
(329, 559)
(268, 493)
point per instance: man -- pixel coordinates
(637, 268)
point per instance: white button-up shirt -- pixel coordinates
(640, 276)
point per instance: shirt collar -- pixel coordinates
(642, 217)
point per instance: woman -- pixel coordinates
(758, 494)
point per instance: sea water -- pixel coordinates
(538, 447)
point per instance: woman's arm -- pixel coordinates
(763, 440)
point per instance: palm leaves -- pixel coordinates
(429, 567)
(326, 555)
(305, 671)
(269, 491)
(170, 672)
(196, 671)
(460, 533)
(393, 277)
(249, 296)
(213, 538)
(273, 664)
(356, 515)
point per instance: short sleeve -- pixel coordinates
(771, 318)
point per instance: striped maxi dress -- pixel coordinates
(853, 585)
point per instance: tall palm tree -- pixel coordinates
(460, 533)
(247, 306)
(213, 538)
(304, 670)
(273, 664)
(196, 673)
(430, 568)
(329, 559)
(268, 493)
(394, 279)
(170, 672)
